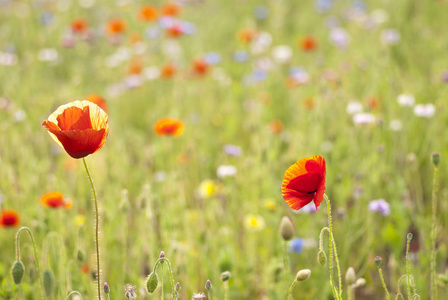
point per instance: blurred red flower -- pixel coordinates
(308, 43)
(169, 126)
(55, 200)
(98, 100)
(9, 218)
(80, 127)
(79, 25)
(171, 9)
(148, 13)
(116, 26)
(304, 182)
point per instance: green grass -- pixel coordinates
(204, 237)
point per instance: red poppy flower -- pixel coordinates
(55, 200)
(116, 26)
(308, 43)
(246, 35)
(168, 126)
(9, 218)
(200, 66)
(98, 100)
(79, 25)
(171, 9)
(175, 30)
(304, 182)
(80, 127)
(168, 71)
(148, 13)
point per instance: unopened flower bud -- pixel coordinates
(378, 262)
(49, 283)
(322, 258)
(225, 276)
(303, 275)
(81, 255)
(162, 255)
(152, 282)
(18, 270)
(287, 228)
(208, 285)
(177, 287)
(360, 282)
(106, 288)
(409, 237)
(350, 276)
(435, 158)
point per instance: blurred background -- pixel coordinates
(258, 85)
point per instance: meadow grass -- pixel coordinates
(147, 185)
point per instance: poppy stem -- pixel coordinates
(97, 230)
(435, 192)
(35, 254)
(383, 283)
(69, 296)
(408, 266)
(291, 287)
(333, 251)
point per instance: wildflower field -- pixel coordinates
(212, 149)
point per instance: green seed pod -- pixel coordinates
(303, 275)
(435, 158)
(49, 282)
(17, 271)
(152, 282)
(350, 276)
(287, 228)
(409, 236)
(322, 258)
(378, 262)
(225, 276)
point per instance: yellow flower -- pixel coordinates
(80, 220)
(207, 189)
(254, 222)
(270, 204)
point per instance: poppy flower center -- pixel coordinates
(9, 220)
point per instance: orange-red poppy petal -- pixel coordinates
(304, 182)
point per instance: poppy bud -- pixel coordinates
(409, 237)
(287, 228)
(106, 288)
(18, 269)
(49, 283)
(378, 262)
(399, 297)
(360, 282)
(152, 282)
(177, 287)
(303, 275)
(350, 276)
(208, 285)
(81, 255)
(435, 158)
(162, 255)
(322, 258)
(225, 276)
